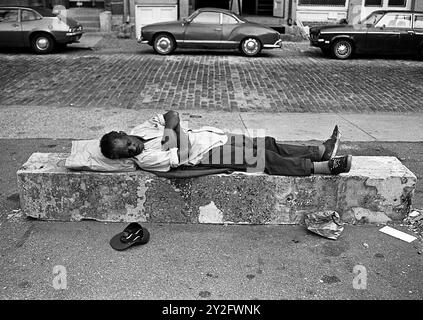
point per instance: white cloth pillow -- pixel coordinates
(86, 155)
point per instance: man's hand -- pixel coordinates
(169, 139)
(171, 119)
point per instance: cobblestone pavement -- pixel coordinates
(297, 78)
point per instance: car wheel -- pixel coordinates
(42, 43)
(421, 53)
(342, 49)
(164, 44)
(250, 47)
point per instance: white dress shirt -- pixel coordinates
(154, 158)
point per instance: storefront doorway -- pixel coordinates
(85, 3)
(257, 7)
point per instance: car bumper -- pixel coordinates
(68, 37)
(141, 40)
(321, 43)
(277, 44)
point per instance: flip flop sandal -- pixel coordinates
(133, 234)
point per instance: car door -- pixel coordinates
(29, 21)
(384, 36)
(413, 39)
(10, 28)
(203, 31)
(407, 34)
(229, 23)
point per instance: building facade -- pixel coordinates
(273, 13)
(332, 11)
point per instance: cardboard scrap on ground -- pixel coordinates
(398, 234)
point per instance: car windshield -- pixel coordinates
(373, 18)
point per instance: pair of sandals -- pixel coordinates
(134, 234)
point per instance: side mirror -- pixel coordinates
(185, 21)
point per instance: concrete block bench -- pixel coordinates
(376, 190)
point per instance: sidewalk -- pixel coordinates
(77, 123)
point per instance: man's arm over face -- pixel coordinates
(171, 119)
(174, 136)
(170, 136)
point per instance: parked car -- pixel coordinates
(38, 28)
(385, 32)
(210, 28)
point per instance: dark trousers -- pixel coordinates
(262, 154)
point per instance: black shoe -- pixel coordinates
(332, 144)
(339, 165)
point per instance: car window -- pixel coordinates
(207, 17)
(373, 18)
(226, 19)
(418, 22)
(8, 15)
(27, 15)
(395, 20)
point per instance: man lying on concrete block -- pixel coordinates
(161, 143)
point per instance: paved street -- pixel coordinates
(295, 93)
(121, 73)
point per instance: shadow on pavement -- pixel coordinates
(66, 50)
(316, 53)
(205, 52)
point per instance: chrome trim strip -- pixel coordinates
(384, 32)
(342, 32)
(277, 44)
(204, 41)
(360, 32)
(70, 34)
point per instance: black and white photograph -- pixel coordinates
(215, 157)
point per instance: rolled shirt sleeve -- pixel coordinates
(174, 159)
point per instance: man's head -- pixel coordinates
(117, 145)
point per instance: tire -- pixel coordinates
(164, 44)
(420, 54)
(250, 47)
(42, 43)
(342, 49)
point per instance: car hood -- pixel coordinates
(337, 27)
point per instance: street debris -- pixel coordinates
(365, 245)
(414, 213)
(398, 234)
(414, 222)
(325, 223)
(15, 215)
